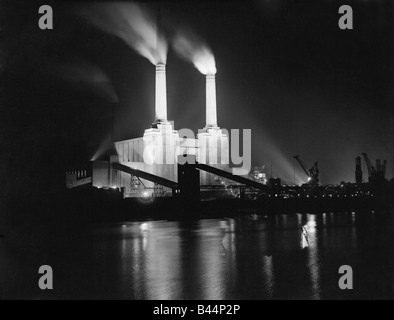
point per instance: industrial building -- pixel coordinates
(157, 151)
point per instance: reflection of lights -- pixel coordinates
(304, 238)
(304, 242)
(144, 227)
(223, 224)
(324, 219)
(269, 274)
(311, 226)
(313, 254)
(353, 217)
(231, 223)
(299, 219)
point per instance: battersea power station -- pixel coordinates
(164, 162)
(148, 166)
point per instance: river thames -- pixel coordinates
(278, 257)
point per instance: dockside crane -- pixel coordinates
(370, 167)
(377, 172)
(312, 173)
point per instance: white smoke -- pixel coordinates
(131, 23)
(86, 74)
(191, 48)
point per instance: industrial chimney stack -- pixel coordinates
(161, 94)
(213, 144)
(211, 116)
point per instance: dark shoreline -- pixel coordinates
(110, 206)
(83, 207)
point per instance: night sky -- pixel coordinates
(285, 70)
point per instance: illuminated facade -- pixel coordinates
(157, 151)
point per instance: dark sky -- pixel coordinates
(285, 70)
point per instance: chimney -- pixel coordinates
(161, 93)
(211, 102)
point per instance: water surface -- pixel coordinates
(282, 257)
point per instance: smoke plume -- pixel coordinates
(191, 48)
(86, 74)
(133, 24)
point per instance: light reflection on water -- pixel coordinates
(313, 256)
(280, 257)
(234, 259)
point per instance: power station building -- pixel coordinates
(157, 151)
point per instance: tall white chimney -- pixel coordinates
(161, 93)
(211, 115)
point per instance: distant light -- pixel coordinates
(309, 179)
(145, 194)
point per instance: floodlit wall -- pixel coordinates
(162, 146)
